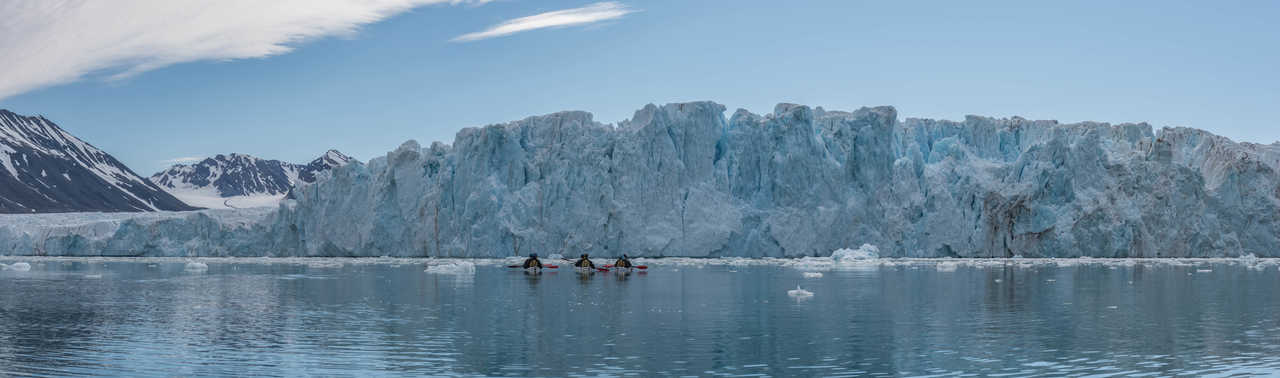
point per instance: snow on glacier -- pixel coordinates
(682, 180)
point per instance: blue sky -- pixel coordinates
(1210, 65)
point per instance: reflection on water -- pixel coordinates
(336, 317)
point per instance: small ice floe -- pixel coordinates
(947, 266)
(810, 263)
(812, 275)
(93, 276)
(1113, 307)
(1050, 280)
(324, 264)
(799, 293)
(459, 268)
(20, 266)
(555, 256)
(1204, 270)
(196, 267)
(999, 280)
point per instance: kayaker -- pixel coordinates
(532, 262)
(584, 262)
(623, 262)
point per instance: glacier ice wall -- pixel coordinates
(681, 180)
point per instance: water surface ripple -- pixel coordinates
(683, 317)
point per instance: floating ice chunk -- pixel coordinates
(324, 264)
(810, 263)
(999, 280)
(799, 293)
(865, 252)
(947, 266)
(21, 267)
(93, 276)
(195, 266)
(555, 256)
(812, 275)
(1204, 270)
(3, 267)
(458, 267)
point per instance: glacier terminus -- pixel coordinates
(684, 180)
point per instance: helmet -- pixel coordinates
(624, 255)
(533, 255)
(584, 255)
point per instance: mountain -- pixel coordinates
(682, 180)
(238, 180)
(45, 169)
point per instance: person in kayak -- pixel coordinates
(584, 262)
(623, 262)
(532, 262)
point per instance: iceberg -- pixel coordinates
(684, 180)
(195, 267)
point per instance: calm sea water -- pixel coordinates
(388, 317)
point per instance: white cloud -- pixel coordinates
(577, 16)
(50, 42)
(184, 159)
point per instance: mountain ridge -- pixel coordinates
(43, 168)
(242, 180)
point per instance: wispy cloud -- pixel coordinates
(182, 160)
(569, 17)
(50, 42)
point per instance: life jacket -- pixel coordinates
(622, 263)
(584, 263)
(532, 263)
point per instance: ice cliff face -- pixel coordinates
(681, 180)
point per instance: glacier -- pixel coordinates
(683, 180)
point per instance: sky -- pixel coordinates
(160, 81)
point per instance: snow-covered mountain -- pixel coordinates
(239, 180)
(682, 180)
(45, 169)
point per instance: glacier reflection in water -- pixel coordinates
(683, 317)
